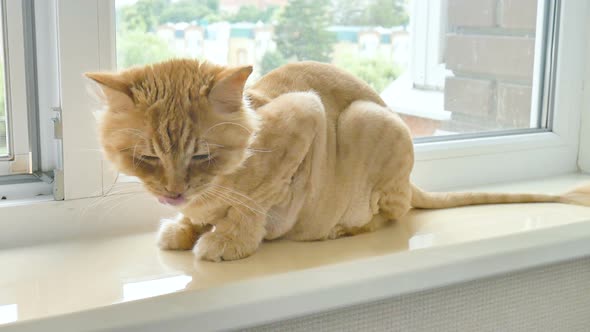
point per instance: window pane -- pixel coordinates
(446, 66)
(4, 151)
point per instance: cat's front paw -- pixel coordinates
(174, 235)
(216, 247)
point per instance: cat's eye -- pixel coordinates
(198, 157)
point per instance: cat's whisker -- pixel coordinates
(229, 202)
(232, 191)
(231, 199)
(228, 123)
(89, 149)
(259, 211)
(127, 148)
(259, 150)
(111, 194)
(237, 203)
(205, 199)
(133, 131)
(96, 203)
(126, 190)
(136, 161)
(94, 200)
(208, 154)
(108, 191)
(121, 200)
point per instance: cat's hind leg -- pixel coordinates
(376, 222)
(375, 154)
(395, 199)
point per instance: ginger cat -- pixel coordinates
(309, 152)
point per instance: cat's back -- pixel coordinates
(335, 86)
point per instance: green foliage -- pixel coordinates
(301, 32)
(146, 15)
(385, 13)
(251, 13)
(270, 61)
(189, 11)
(377, 72)
(141, 16)
(137, 45)
(139, 48)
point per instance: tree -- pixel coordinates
(141, 16)
(189, 11)
(377, 72)
(251, 13)
(146, 15)
(139, 48)
(301, 31)
(388, 13)
(385, 13)
(270, 61)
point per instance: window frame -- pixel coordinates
(584, 152)
(20, 143)
(439, 165)
(33, 132)
(428, 67)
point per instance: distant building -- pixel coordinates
(371, 42)
(246, 43)
(232, 6)
(222, 42)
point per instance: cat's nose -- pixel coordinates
(175, 190)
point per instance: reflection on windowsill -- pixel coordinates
(420, 241)
(149, 288)
(8, 313)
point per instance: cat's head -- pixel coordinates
(176, 125)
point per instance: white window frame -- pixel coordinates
(584, 154)
(19, 160)
(428, 28)
(448, 164)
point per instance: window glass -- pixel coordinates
(3, 117)
(445, 66)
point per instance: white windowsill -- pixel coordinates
(115, 282)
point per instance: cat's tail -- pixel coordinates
(440, 200)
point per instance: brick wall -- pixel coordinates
(490, 50)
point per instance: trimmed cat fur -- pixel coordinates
(309, 152)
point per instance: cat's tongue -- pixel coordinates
(171, 201)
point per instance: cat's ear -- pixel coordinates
(116, 92)
(111, 83)
(227, 92)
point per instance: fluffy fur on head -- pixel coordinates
(177, 124)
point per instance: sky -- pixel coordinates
(120, 3)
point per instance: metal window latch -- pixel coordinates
(58, 174)
(58, 185)
(46, 177)
(57, 124)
